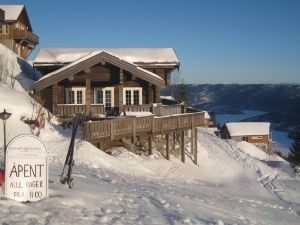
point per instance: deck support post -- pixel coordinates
(150, 145)
(196, 147)
(174, 142)
(167, 147)
(182, 147)
(192, 141)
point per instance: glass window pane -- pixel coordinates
(108, 98)
(136, 97)
(79, 97)
(128, 97)
(99, 97)
(70, 99)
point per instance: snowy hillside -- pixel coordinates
(234, 183)
(14, 68)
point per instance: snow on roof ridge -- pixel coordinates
(248, 128)
(133, 55)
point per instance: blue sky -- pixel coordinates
(224, 41)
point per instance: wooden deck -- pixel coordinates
(133, 127)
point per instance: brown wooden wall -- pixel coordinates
(101, 76)
(251, 138)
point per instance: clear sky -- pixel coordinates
(224, 41)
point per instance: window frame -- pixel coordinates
(103, 89)
(75, 89)
(132, 89)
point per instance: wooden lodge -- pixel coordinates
(15, 30)
(106, 83)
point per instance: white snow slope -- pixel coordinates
(234, 183)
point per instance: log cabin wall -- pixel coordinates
(100, 76)
(164, 73)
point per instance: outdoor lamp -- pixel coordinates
(4, 116)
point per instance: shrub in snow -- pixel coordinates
(294, 155)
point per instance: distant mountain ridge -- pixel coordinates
(281, 102)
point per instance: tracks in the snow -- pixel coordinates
(268, 180)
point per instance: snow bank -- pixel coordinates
(14, 68)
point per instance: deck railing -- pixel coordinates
(135, 126)
(14, 33)
(156, 109)
(71, 109)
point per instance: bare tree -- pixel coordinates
(176, 80)
(3, 69)
(12, 75)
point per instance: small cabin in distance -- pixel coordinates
(257, 133)
(15, 30)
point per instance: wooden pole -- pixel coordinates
(182, 147)
(174, 141)
(150, 145)
(192, 141)
(196, 147)
(167, 147)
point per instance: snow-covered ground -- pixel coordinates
(233, 183)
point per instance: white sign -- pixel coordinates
(26, 169)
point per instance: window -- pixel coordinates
(132, 96)
(128, 97)
(257, 137)
(245, 139)
(75, 95)
(104, 96)
(4, 29)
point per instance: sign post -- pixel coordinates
(26, 169)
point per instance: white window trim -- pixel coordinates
(75, 89)
(112, 89)
(133, 89)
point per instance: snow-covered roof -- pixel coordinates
(206, 115)
(248, 128)
(104, 54)
(12, 12)
(157, 56)
(89, 56)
